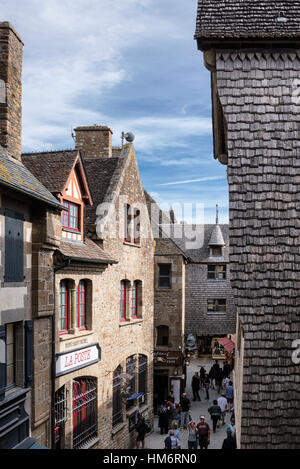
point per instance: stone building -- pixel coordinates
(192, 296)
(252, 51)
(29, 235)
(103, 290)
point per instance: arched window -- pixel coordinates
(162, 336)
(84, 411)
(81, 305)
(64, 308)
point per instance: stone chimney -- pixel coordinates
(94, 141)
(11, 55)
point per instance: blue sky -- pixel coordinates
(132, 65)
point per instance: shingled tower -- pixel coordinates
(252, 49)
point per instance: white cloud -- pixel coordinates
(203, 179)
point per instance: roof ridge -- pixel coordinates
(49, 151)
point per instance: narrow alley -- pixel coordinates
(156, 441)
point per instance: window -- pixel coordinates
(81, 305)
(216, 252)
(131, 371)
(84, 411)
(117, 398)
(216, 306)
(71, 217)
(134, 301)
(162, 336)
(137, 226)
(123, 301)
(64, 307)
(7, 357)
(14, 247)
(60, 412)
(216, 272)
(143, 369)
(164, 280)
(127, 223)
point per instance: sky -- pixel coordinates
(132, 65)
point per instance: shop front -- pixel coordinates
(211, 347)
(169, 380)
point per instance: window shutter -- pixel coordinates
(2, 360)
(14, 246)
(28, 353)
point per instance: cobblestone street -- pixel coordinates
(156, 441)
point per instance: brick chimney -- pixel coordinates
(94, 141)
(11, 56)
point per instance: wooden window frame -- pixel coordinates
(123, 301)
(217, 306)
(81, 290)
(64, 294)
(68, 227)
(216, 272)
(134, 300)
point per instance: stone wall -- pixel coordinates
(198, 290)
(11, 52)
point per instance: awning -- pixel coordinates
(228, 344)
(134, 397)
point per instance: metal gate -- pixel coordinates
(84, 411)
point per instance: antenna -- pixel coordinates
(73, 134)
(129, 137)
(217, 214)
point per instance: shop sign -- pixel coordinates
(167, 358)
(77, 359)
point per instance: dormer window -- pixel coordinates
(71, 217)
(216, 251)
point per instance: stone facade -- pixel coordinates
(11, 53)
(255, 102)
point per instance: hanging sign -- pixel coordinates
(77, 359)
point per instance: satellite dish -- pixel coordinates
(129, 137)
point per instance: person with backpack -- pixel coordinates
(230, 395)
(141, 429)
(215, 413)
(171, 442)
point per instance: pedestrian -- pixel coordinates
(211, 376)
(230, 394)
(203, 433)
(171, 411)
(193, 435)
(202, 375)
(215, 413)
(171, 442)
(206, 386)
(226, 369)
(175, 430)
(196, 386)
(229, 442)
(141, 430)
(178, 414)
(185, 404)
(163, 421)
(222, 403)
(218, 379)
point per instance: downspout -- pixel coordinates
(53, 367)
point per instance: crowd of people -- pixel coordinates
(174, 417)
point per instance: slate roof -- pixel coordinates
(235, 19)
(51, 168)
(85, 252)
(186, 235)
(15, 175)
(216, 237)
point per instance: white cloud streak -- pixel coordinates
(204, 179)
